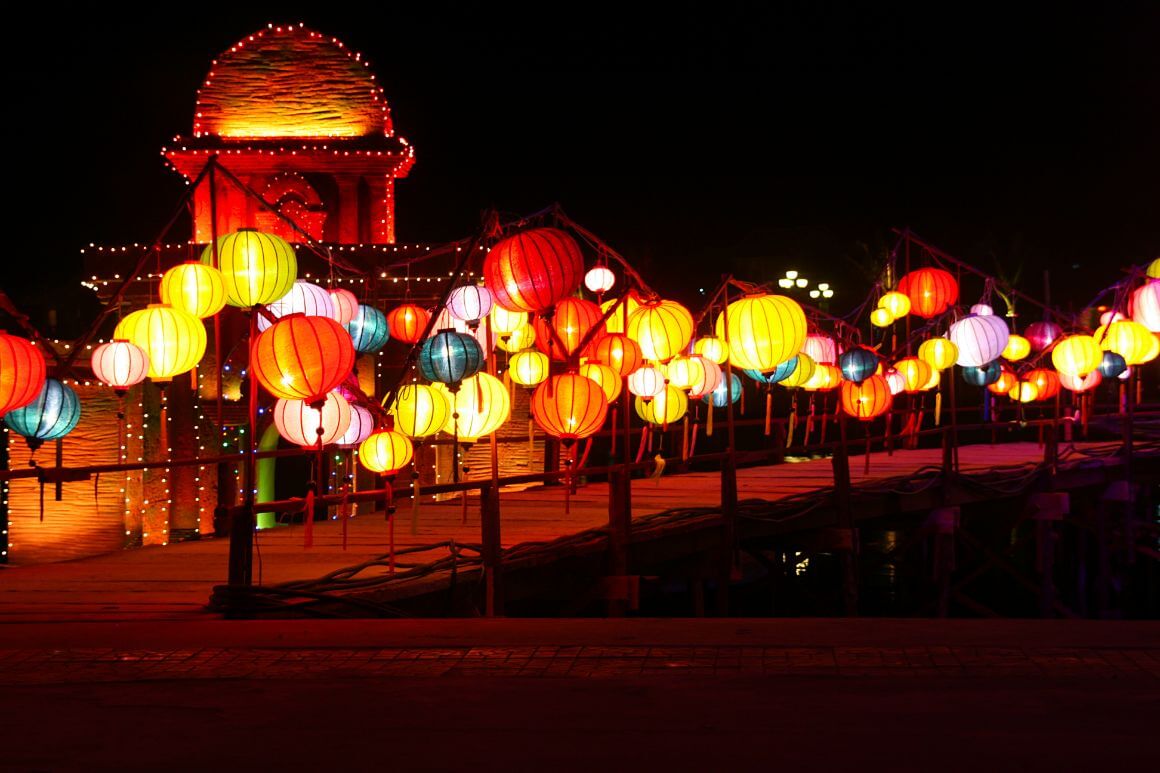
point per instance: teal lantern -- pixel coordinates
(50, 416)
(720, 398)
(783, 371)
(450, 357)
(983, 375)
(368, 329)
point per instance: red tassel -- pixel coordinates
(308, 520)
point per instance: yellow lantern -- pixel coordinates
(194, 288)
(802, 373)
(663, 329)
(256, 267)
(882, 317)
(764, 331)
(896, 303)
(481, 405)
(1077, 355)
(615, 322)
(684, 372)
(916, 373)
(939, 353)
(420, 410)
(174, 340)
(1129, 339)
(667, 407)
(824, 378)
(608, 379)
(1024, 392)
(1017, 348)
(520, 338)
(712, 348)
(529, 367)
(932, 382)
(386, 451)
(1154, 269)
(505, 322)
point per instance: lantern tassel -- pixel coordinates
(768, 411)
(643, 438)
(693, 440)
(937, 408)
(308, 518)
(709, 419)
(791, 425)
(742, 398)
(685, 439)
(415, 495)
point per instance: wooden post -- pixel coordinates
(492, 549)
(841, 467)
(620, 513)
(241, 556)
(728, 478)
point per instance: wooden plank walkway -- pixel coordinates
(175, 581)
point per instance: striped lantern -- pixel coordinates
(560, 336)
(386, 452)
(896, 304)
(916, 374)
(1084, 383)
(303, 298)
(302, 358)
(599, 280)
(51, 415)
(825, 378)
(931, 291)
(646, 382)
(668, 406)
(173, 340)
(712, 377)
(407, 322)
(821, 348)
(619, 352)
(1145, 305)
(867, 399)
(345, 305)
(469, 303)
(939, 353)
(1045, 380)
(615, 321)
(1024, 392)
(801, 374)
(479, 408)
(532, 270)
(859, 363)
(982, 375)
(519, 339)
(569, 407)
(1076, 355)
(763, 331)
(369, 330)
(720, 397)
(1005, 383)
(713, 348)
(529, 367)
(504, 322)
(450, 357)
(683, 372)
(120, 364)
(313, 424)
(607, 378)
(1131, 340)
(362, 424)
(257, 267)
(980, 339)
(194, 288)
(1112, 365)
(1017, 348)
(1042, 334)
(420, 410)
(22, 372)
(663, 329)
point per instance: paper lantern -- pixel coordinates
(783, 370)
(450, 357)
(303, 298)
(980, 339)
(504, 322)
(712, 348)
(1153, 270)
(800, 374)
(619, 352)
(668, 406)
(895, 381)
(983, 375)
(1076, 355)
(646, 382)
(407, 322)
(1084, 383)
(1130, 340)
(532, 270)
(982, 310)
(821, 348)
(120, 364)
(560, 336)
(386, 452)
(763, 331)
(599, 280)
(1005, 383)
(859, 363)
(174, 341)
(867, 399)
(256, 267)
(194, 288)
(683, 372)
(529, 367)
(711, 377)
(22, 372)
(615, 322)
(720, 397)
(824, 378)
(569, 407)
(607, 378)
(369, 330)
(1024, 392)
(1112, 365)
(916, 373)
(51, 415)
(663, 329)
(345, 305)
(1016, 349)
(315, 423)
(420, 410)
(895, 303)
(881, 318)
(1145, 305)
(469, 303)
(362, 424)
(939, 353)
(519, 339)
(478, 409)
(302, 358)
(1045, 380)
(931, 291)
(1042, 334)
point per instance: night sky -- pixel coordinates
(695, 140)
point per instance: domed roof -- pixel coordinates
(289, 81)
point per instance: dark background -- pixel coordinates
(695, 138)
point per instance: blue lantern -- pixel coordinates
(51, 416)
(783, 371)
(1112, 365)
(718, 396)
(368, 329)
(858, 364)
(450, 357)
(983, 375)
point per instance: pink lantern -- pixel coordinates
(895, 381)
(309, 427)
(120, 364)
(712, 379)
(1081, 383)
(821, 348)
(362, 424)
(469, 304)
(1042, 334)
(1146, 306)
(345, 306)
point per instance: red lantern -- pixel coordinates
(302, 358)
(572, 320)
(619, 352)
(931, 291)
(1005, 383)
(1046, 381)
(569, 407)
(866, 400)
(532, 270)
(407, 322)
(21, 372)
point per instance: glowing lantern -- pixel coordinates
(386, 452)
(303, 298)
(720, 397)
(313, 424)
(520, 338)
(479, 408)
(939, 353)
(663, 329)
(825, 378)
(711, 378)
(783, 370)
(1046, 381)
(22, 372)
(1081, 383)
(532, 270)
(1145, 306)
(120, 364)
(615, 322)
(764, 330)
(646, 382)
(915, 372)
(859, 363)
(881, 318)
(560, 336)
(362, 424)
(821, 348)
(669, 405)
(982, 310)
(505, 322)
(529, 367)
(800, 374)
(895, 381)
(194, 288)
(469, 303)
(302, 358)
(895, 303)
(1016, 349)
(1076, 355)
(407, 322)
(51, 415)
(867, 399)
(979, 338)
(712, 348)
(450, 357)
(1042, 334)
(345, 306)
(931, 291)
(1112, 365)
(420, 410)
(683, 372)
(1153, 269)
(982, 375)
(569, 407)
(619, 352)
(369, 330)
(174, 341)
(1129, 339)
(1024, 392)
(605, 377)
(256, 267)
(1005, 383)
(599, 280)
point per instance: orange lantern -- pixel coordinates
(302, 358)
(1081, 383)
(1046, 381)
(1005, 383)
(569, 407)
(607, 378)
(619, 352)
(866, 400)
(663, 329)
(931, 291)
(825, 378)
(22, 372)
(916, 374)
(560, 336)
(407, 322)
(532, 270)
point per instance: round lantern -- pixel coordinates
(599, 280)
(931, 291)
(22, 372)
(619, 352)
(256, 267)
(1017, 348)
(1129, 339)
(825, 378)
(895, 303)
(982, 310)
(916, 373)
(615, 322)
(504, 322)
(560, 336)
(801, 374)
(710, 378)
(881, 318)
(345, 305)
(1112, 365)
(1145, 305)
(519, 339)
(1005, 383)
(569, 407)
(302, 358)
(450, 357)
(51, 415)
(303, 298)
(1045, 380)
(1110, 316)
(646, 382)
(1024, 392)
(1042, 334)
(1083, 383)
(479, 408)
(663, 329)
(669, 405)
(120, 364)
(1076, 355)
(939, 353)
(194, 288)
(407, 322)
(764, 330)
(362, 424)
(683, 372)
(980, 339)
(469, 303)
(895, 381)
(532, 270)
(783, 370)
(719, 397)
(313, 424)
(866, 399)
(386, 452)
(821, 348)
(1153, 269)
(605, 377)
(174, 341)
(529, 367)
(859, 363)
(420, 410)
(369, 330)
(712, 348)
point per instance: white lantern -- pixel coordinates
(303, 298)
(980, 338)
